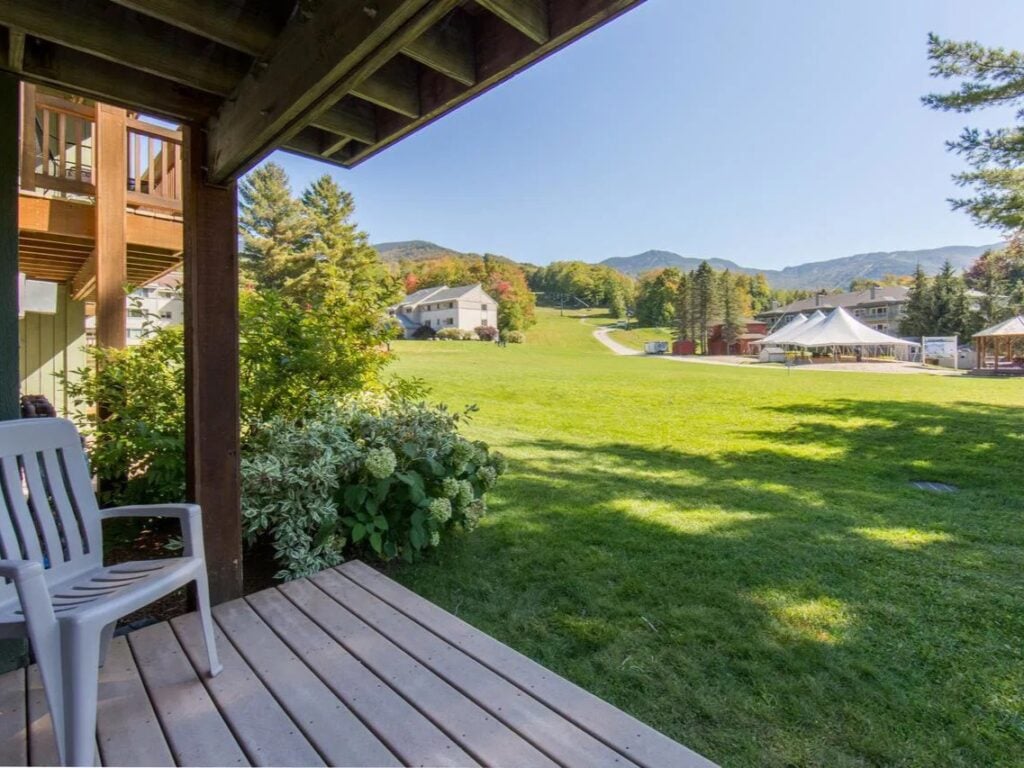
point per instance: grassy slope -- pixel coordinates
(735, 556)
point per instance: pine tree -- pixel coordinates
(683, 307)
(335, 255)
(705, 296)
(731, 307)
(273, 228)
(990, 77)
(918, 315)
(950, 309)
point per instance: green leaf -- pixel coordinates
(416, 537)
(375, 542)
(411, 450)
(381, 522)
(358, 532)
(355, 495)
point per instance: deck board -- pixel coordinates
(13, 719)
(128, 730)
(399, 725)
(345, 668)
(337, 734)
(550, 733)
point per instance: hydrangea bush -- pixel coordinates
(369, 475)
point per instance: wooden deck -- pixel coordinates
(346, 668)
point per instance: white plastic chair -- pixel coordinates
(57, 590)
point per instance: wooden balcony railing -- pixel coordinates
(58, 141)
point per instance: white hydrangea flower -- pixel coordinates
(380, 462)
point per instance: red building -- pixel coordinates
(753, 331)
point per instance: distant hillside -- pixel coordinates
(835, 273)
(413, 250)
(423, 250)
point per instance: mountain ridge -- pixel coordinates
(826, 274)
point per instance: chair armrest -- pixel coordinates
(189, 515)
(20, 570)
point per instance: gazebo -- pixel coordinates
(998, 340)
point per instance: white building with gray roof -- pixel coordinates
(465, 307)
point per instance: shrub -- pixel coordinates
(516, 337)
(486, 332)
(423, 333)
(450, 334)
(290, 355)
(369, 475)
(137, 451)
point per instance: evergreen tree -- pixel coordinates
(705, 301)
(990, 77)
(683, 307)
(273, 228)
(655, 301)
(335, 255)
(918, 315)
(950, 310)
(731, 307)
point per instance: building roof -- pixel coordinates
(440, 293)
(1012, 327)
(886, 294)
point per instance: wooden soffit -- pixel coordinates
(337, 80)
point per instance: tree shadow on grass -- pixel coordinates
(794, 604)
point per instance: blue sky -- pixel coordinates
(769, 132)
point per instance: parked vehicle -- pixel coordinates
(656, 348)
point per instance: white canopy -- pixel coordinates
(777, 336)
(840, 329)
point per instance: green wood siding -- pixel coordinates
(51, 344)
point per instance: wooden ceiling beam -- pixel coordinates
(83, 284)
(15, 49)
(447, 47)
(394, 86)
(349, 119)
(318, 59)
(122, 36)
(112, 83)
(528, 16)
(244, 27)
(501, 51)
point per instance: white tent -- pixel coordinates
(841, 329)
(786, 330)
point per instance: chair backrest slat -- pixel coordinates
(71, 522)
(17, 505)
(40, 509)
(48, 511)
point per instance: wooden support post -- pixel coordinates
(111, 239)
(10, 379)
(211, 366)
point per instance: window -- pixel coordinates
(135, 312)
(166, 315)
(449, 321)
(135, 333)
(451, 305)
(483, 307)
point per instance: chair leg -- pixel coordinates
(81, 660)
(206, 618)
(105, 637)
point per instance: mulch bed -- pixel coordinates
(128, 541)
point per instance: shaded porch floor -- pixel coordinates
(345, 668)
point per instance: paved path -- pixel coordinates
(601, 334)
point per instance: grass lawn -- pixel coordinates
(736, 556)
